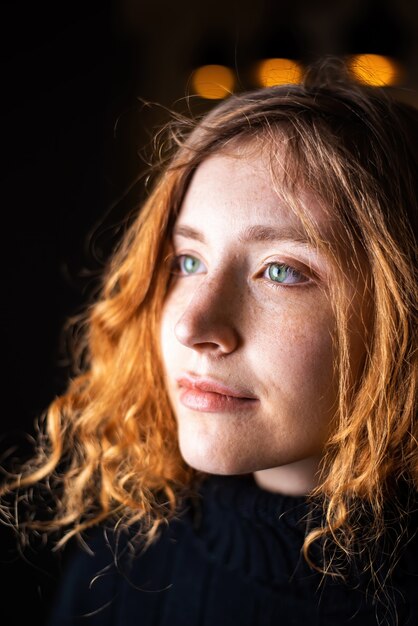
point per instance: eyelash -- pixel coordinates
(175, 264)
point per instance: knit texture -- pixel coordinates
(232, 558)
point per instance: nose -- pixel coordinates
(209, 322)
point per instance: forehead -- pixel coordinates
(247, 184)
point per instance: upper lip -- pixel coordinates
(209, 384)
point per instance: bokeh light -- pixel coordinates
(213, 82)
(270, 72)
(375, 70)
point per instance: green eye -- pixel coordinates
(281, 273)
(190, 264)
(185, 264)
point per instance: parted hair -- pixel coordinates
(107, 449)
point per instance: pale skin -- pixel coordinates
(253, 315)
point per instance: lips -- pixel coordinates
(208, 395)
(208, 384)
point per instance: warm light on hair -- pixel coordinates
(270, 72)
(108, 447)
(213, 82)
(375, 70)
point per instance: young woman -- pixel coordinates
(239, 444)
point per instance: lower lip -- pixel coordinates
(210, 402)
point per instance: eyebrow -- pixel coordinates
(257, 232)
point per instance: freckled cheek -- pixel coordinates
(295, 354)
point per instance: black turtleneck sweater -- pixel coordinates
(236, 560)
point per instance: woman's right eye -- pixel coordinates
(185, 265)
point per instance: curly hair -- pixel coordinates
(108, 449)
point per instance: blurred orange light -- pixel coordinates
(374, 70)
(272, 72)
(213, 82)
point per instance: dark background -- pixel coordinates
(74, 134)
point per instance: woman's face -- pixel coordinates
(246, 332)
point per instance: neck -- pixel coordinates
(293, 479)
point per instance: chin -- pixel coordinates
(213, 463)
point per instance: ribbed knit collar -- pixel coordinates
(254, 532)
(242, 496)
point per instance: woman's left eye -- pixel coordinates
(283, 274)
